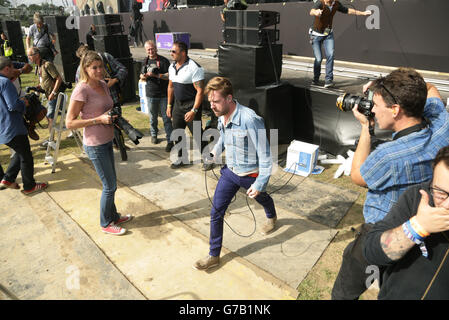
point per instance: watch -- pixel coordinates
(194, 110)
(94, 121)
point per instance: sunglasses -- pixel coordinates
(381, 83)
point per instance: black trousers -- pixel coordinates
(180, 109)
(352, 277)
(21, 161)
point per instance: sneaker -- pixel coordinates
(169, 146)
(123, 219)
(208, 166)
(206, 263)
(154, 140)
(328, 84)
(37, 188)
(269, 226)
(113, 229)
(315, 82)
(6, 184)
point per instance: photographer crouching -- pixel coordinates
(14, 134)
(404, 103)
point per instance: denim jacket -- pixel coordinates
(11, 112)
(246, 144)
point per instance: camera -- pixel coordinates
(346, 102)
(124, 125)
(153, 70)
(40, 90)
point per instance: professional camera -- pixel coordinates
(346, 102)
(34, 113)
(124, 125)
(154, 70)
(40, 90)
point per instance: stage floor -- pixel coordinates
(298, 71)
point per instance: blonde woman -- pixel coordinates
(89, 106)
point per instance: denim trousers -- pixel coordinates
(329, 47)
(159, 106)
(228, 185)
(21, 161)
(102, 157)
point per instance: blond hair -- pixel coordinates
(86, 61)
(220, 84)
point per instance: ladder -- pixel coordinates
(51, 156)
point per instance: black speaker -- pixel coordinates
(103, 19)
(250, 66)
(128, 92)
(67, 42)
(252, 37)
(116, 45)
(274, 104)
(251, 18)
(107, 30)
(13, 31)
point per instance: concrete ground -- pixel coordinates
(53, 247)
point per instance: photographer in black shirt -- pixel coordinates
(155, 73)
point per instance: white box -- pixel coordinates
(301, 158)
(144, 107)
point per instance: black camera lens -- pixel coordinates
(346, 102)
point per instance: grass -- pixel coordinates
(319, 281)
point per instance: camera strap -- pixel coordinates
(409, 130)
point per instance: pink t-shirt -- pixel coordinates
(95, 104)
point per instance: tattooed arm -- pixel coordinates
(395, 244)
(387, 243)
(199, 87)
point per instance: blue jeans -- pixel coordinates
(51, 107)
(329, 47)
(159, 106)
(227, 187)
(102, 157)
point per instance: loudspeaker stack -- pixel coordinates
(110, 38)
(252, 59)
(67, 42)
(250, 38)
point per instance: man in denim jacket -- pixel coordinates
(248, 163)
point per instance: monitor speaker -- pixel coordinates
(250, 66)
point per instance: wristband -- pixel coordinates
(412, 235)
(418, 228)
(94, 121)
(168, 105)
